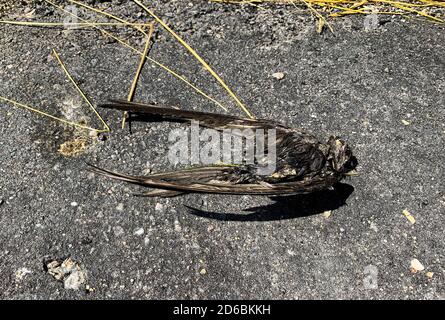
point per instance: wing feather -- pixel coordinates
(181, 184)
(206, 119)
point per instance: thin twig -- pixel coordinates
(109, 15)
(175, 74)
(43, 113)
(138, 72)
(196, 55)
(61, 24)
(107, 128)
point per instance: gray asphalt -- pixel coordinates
(382, 89)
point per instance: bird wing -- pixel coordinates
(208, 180)
(206, 119)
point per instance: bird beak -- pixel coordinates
(352, 173)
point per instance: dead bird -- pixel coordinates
(302, 165)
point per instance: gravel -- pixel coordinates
(382, 89)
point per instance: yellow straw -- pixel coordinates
(56, 24)
(138, 72)
(107, 129)
(321, 19)
(15, 103)
(178, 76)
(195, 54)
(109, 15)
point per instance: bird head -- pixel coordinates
(340, 156)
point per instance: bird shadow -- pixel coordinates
(287, 207)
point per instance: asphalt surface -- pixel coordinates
(381, 88)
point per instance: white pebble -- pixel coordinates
(278, 75)
(139, 232)
(75, 280)
(416, 265)
(178, 227)
(118, 231)
(21, 273)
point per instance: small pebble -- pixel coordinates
(406, 123)
(159, 207)
(120, 207)
(430, 274)
(146, 171)
(203, 271)
(118, 231)
(74, 280)
(74, 204)
(21, 273)
(416, 265)
(139, 232)
(178, 227)
(278, 75)
(373, 226)
(89, 289)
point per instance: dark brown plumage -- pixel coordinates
(303, 164)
